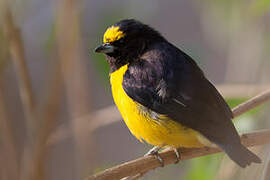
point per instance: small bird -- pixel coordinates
(164, 97)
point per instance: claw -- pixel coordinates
(178, 155)
(154, 152)
(161, 161)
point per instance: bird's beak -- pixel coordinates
(105, 48)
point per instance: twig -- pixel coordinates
(251, 103)
(110, 114)
(92, 121)
(134, 168)
(137, 176)
(148, 163)
(241, 90)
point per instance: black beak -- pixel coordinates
(105, 48)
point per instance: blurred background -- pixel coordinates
(57, 118)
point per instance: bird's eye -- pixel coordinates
(121, 40)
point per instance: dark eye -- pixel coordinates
(121, 40)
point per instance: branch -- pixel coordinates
(251, 103)
(148, 163)
(144, 164)
(110, 114)
(241, 90)
(90, 122)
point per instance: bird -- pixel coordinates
(164, 97)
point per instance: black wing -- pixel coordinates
(169, 82)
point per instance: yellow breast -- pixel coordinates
(162, 132)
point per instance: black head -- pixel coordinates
(125, 41)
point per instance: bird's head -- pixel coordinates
(125, 41)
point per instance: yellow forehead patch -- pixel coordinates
(112, 34)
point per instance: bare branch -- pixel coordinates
(142, 165)
(251, 103)
(150, 162)
(241, 90)
(92, 121)
(110, 115)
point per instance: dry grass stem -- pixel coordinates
(74, 74)
(49, 116)
(17, 53)
(8, 149)
(266, 170)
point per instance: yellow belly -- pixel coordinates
(162, 132)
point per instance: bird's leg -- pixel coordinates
(178, 155)
(154, 152)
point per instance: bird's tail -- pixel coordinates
(241, 155)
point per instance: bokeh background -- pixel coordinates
(57, 118)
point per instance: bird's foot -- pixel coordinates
(178, 155)
(154, 152)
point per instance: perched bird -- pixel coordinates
(164, 97)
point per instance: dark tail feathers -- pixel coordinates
(241, 155)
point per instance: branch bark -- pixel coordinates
(148, 163)
(251, 103)
(145, 164)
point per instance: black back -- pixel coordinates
(168, 81)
